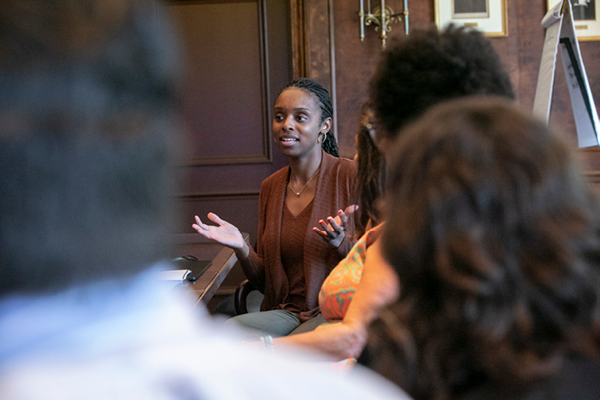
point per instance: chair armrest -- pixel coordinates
(240, 296)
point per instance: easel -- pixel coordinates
(560, 30)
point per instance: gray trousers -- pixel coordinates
(275, 323)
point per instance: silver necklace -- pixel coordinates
(307, 182)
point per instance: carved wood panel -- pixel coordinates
(237, 58)
(226, 100)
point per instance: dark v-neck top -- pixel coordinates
(264, 267)
(293, 230)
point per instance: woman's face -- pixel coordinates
(297, 123)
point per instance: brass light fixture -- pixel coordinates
(381, 16)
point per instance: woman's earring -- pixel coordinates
(321, 138)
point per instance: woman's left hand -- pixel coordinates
(333, 231)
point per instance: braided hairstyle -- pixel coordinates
(322, 95)
(371, 175)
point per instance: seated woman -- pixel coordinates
(495, 235)
(338, 289)
(407, 82)
(290, 261)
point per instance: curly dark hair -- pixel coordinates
(371, 174)
(427, 67)
(497, 246)
(324, 100)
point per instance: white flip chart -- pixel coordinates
(560, 33)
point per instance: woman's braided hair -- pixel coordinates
(322, 95)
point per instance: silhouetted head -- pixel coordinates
(430, 66)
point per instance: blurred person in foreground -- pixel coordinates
(494, 233)
(87, 128)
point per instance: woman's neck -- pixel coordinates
(302, 169)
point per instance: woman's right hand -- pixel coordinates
(225, 233)
(334, 229)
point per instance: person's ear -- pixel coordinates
(326, 125)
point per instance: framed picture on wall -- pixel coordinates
(585, 18)
(487, 16)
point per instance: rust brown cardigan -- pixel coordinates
(263, 268)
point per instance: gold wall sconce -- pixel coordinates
(381, 16)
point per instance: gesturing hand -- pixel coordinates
(225, 233)
(334, 229)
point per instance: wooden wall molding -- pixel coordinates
(299, 67)
(266, 134)
(313, 45)
(593, 176)
(266, 85)
(238, 56)
(226, 160)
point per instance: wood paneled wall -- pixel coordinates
(354, 61)
(237, 58)
(241, 52)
